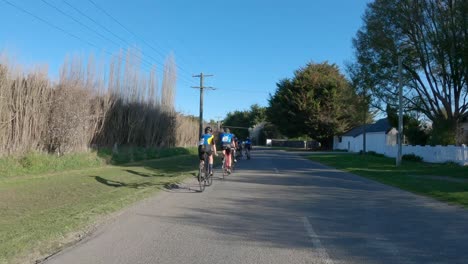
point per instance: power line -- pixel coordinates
(79, 22)
(115, 35)
(132, 33)
(67, 32)
(246, 90)
(96, 22)
(142, 59)
(118, 22)
(50, 24)
(60, 29)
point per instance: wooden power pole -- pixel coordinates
(201, 87)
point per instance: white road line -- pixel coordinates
(316, 241)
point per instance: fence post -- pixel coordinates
(464, 156)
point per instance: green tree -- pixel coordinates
(257, 114)
(431, 38)
(269, 131)
(413, 130)
(318, 102)
(245, 119)
(238, 119)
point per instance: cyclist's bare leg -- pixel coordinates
(225, 156)
(228, 158)
(210, 163)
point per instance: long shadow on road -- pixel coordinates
(356, 219)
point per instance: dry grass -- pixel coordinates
(90, 107)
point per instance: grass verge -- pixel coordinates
(434, 180)
(40, 163)
(39, 212)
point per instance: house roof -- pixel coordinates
(381, 125)
(355, 131)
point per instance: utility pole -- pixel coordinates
(218, 122)
(400, 111)
(201, 87)
(364, 140)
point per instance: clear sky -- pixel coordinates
(247, 44)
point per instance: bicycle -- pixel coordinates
(226, 166)
(247, 153)
(240, 155)
(204, 177)
(233, 158)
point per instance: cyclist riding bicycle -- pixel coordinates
(207, 145)
(226, 139)
(248, 146)
(235, 145)
(239, 148)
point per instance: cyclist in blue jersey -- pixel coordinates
(248, 143)
(227, 141)
(207, 145)
(239, 148)
(248, 146)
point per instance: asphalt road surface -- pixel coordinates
(280, 208)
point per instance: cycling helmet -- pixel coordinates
(208, 130)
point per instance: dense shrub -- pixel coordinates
(411, 157)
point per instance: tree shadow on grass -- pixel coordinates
(142, 174)
(174, 187)
(118, 184)
(185, 163)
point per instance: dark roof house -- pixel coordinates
(381, 125)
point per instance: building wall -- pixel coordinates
(345, 142)
(387, 144)
(374, 142)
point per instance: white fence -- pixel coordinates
(435, 154)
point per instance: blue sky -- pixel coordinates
(247, 45)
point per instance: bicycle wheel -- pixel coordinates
(233, 164)
(208, 177)
(209, 180)
(201, 178)
(224, 167)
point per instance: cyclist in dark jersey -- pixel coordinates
(235, 146)
(207, 145)
(239, 148)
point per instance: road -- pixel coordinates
(280, 208)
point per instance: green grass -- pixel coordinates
(40, 163)
(417, 177)
(40, 211)
(36, 163)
